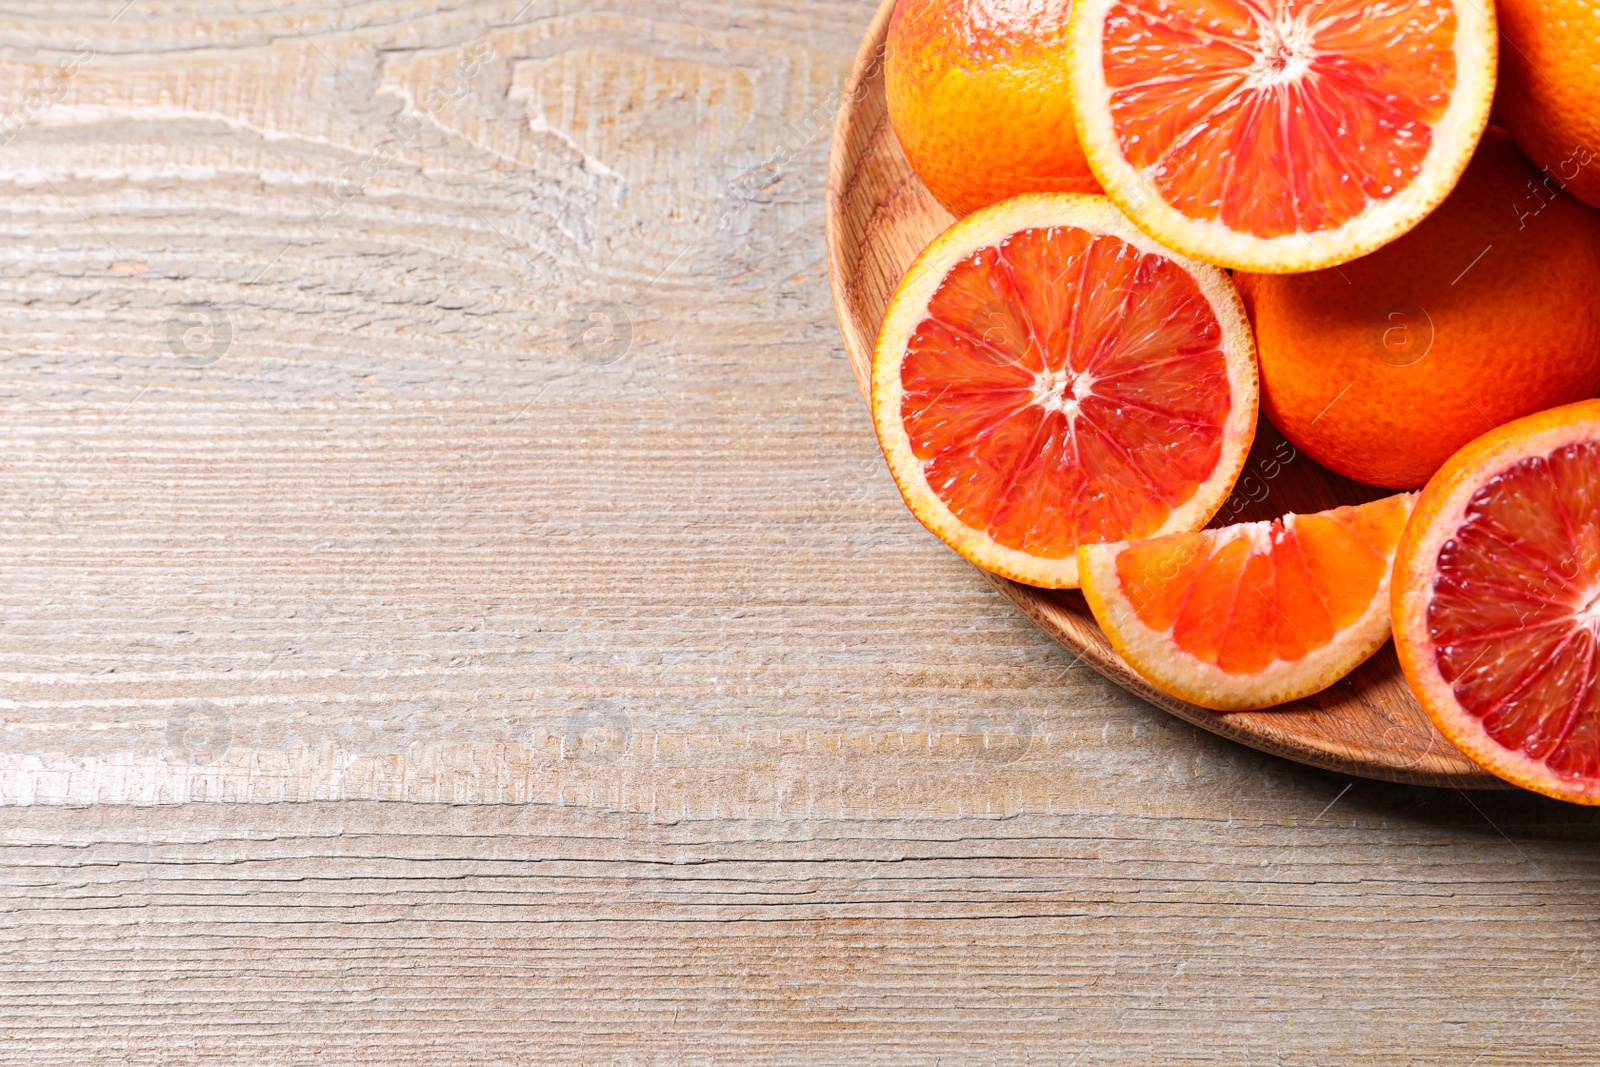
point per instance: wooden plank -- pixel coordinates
(1394, 927)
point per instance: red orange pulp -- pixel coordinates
(1047, 376)
(1497, 601)
(1280, 135)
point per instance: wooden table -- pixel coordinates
(456, 612)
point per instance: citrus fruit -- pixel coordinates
(1497, 601)
(1252, 615)
(977, 93)
(1280, 135)
(1048, 376)
(1381, 368)
(1549, 95)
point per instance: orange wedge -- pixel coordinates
(1252, 615)
(1047, 376)
(1278, 136)
(1497, 601)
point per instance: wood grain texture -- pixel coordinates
(880, 217)
(509, 648)
(1394, 927)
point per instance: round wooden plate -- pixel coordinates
(879, 218)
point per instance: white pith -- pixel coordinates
(1288, 57)
(1589, 615)
(1051, 389)
(1286, 53)
(1093, 214)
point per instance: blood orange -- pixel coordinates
(1047, 376)
(1280, 135)
(959, 73)
(1550, 92)
(1497, 601)
(1252, 615)
(1488, 311)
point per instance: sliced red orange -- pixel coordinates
(1047, 376)
(1280, 135)
(1252, 615)
(1497, 601)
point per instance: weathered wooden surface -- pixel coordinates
(1396, 927)
(444, 406)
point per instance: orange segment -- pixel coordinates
(1047, 376)
(1252, 623)
(1207, 611)
(1305, 622)
(1344, 569)
(1157, 574)
(1251, 615)
(1280, 134)
(1497, 601)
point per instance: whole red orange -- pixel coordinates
(978, 97)
(1489, 310)
(1549, 94)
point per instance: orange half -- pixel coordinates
(1497, 601)
(1278, 136)
(1047, 376)
(1251, 615)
